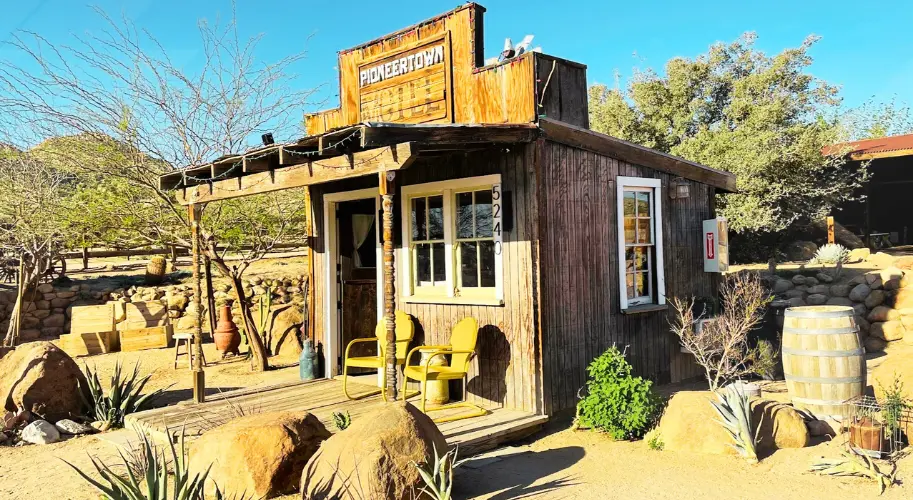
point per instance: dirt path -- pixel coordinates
(587, 465)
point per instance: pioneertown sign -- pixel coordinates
(401, 66)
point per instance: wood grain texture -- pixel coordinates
(578, 271)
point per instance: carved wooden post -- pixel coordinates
(386, 191)
(199, 376)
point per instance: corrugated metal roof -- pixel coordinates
(897, 145)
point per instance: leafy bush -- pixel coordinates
(766, 363)
(123, 398)
(617, 403)
(832, 253)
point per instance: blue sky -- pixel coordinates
(867, 49)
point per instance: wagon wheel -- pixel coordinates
(57, 269)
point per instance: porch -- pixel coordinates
(322, 398)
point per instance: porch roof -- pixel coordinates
(371, 147)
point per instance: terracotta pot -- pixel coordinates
(868, 436)
(226, 336)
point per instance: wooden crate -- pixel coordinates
(88, 344)
(139, 315)
(154, 337)
(92, 319)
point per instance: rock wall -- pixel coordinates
(47, 311)
(882, 301)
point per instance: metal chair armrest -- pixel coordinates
(446, 352)
(354, 341)
(426, 348)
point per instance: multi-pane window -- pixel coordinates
(428, 241)
(475, 242)
(454, 239)
(638, 236)
(640, 242)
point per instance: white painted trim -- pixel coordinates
(621, 183)
(331, 321)
(445, 188)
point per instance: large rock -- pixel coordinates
(883, 313)
(782, 285)
(880, 259)
(377, 453)
(285, 330)
(888, 330)
(819, 289)
(690, 424)
(801, 250)
(816, 299)
(798, 279)
(860, 292)
(42, 379)
(796, 302)
(903, 299)
(810, 282)
(876, 298)
(67, 426)
(859, 254)
(40, 432)
(839, 301)
(874, 344)
(261, 455)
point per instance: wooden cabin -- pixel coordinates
(503, 206)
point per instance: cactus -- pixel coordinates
(832, 253)
(735, 413)
(341, 420)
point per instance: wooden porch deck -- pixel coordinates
(322, 398)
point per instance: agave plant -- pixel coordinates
(735, 414)
(342, 420)
(149, 478)
(832, 253)
(124, 396)
(438, 476)
(854, 463)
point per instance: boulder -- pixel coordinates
(40, 432)
(796, 302)
(782, 285)
(824, 277)
(903, 299)
(792, 294)
(908, 337)
(67, 426)
(875, 298)
(874, 344)
(883, 313)
(26, 335)
(177, 302)
(907, 322)
(839, 301)
(55, 303)
(818, 428)
(55, 320)
(887, 330)
(801, 250)
(261, 455)
(798, 279)
(816, 299)
(810, 282)
(859, 279)
(285, 331)
(880, 259)
(859, 254)
(43, 379)
(376, 452)
(859, 292)
(873, 279)
(689, 424)
(802, 288)
(66, 295)
(819, 289)
(863, 324)
(860, 309)
(45, 288)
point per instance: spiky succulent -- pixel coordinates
(854, 463)
(124, 396)
(438, 475)
(342, 420)
(735, 416)
(832, 253)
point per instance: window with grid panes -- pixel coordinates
(475, 241)
(640, 242)
(428, 251)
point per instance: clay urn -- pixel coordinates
(226, 336)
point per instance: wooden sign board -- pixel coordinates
(409, 86)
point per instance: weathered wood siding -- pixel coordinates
(581, 314)
(503, 372)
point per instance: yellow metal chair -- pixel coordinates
(405, 330)
(461, 350)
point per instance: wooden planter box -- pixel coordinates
(154, 337)
(88, 344)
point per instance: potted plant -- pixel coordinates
(867, 435)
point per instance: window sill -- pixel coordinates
(462, 301)
(645, 308)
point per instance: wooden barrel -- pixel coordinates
(823, 359)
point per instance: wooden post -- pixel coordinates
(85, 258)
(387, 189)
(199, 377)
(830, 230)
(210, 299)
(312, 287)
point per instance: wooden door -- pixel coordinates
(359, 317)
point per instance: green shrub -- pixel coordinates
(655, 442)
(617, 403)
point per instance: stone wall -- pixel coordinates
(881, 299)
(47, 310)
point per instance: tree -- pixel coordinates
(763, 118)
(35, 203)
(119, 88)
(721, 347)
(873, 120)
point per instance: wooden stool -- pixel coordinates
(187, 340)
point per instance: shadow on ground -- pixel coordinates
(175, 396)
(512, 474)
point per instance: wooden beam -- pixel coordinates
(633, 153)
(309, 173)
(883, 154)
(449, 134)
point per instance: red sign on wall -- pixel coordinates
(710, 246)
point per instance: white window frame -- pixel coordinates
(448, 189)
(658, 292)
